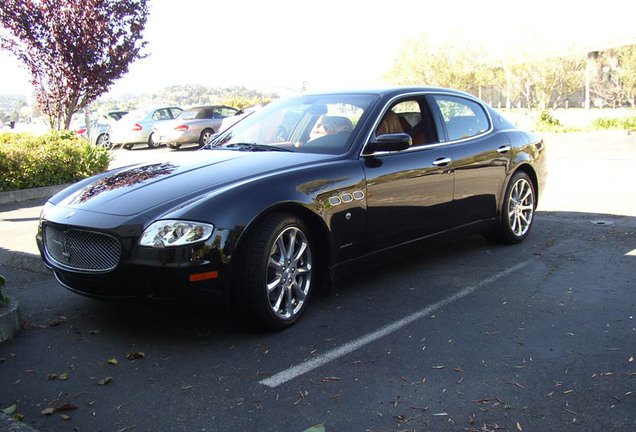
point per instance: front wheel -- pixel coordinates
(104, 141)
(276, 271)
(518, 209)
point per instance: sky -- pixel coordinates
(335, 44)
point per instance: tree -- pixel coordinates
(548, 81)
(74, 49)
(628, 73)
(615, 76)
(454, 63)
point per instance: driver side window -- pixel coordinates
(408, 117)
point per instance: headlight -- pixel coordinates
(168, 233)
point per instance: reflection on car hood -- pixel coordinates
(138, 188)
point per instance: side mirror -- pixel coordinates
(390, 143)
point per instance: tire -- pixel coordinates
(275, 272)
(151, 141)
(173, 146)
(517, 213)
(104, 141)
(206, 134)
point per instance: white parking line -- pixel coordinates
(305, 367)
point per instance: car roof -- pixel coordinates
(396, 90)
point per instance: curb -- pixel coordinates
(23, 261)
(9, 320)
(30, 194)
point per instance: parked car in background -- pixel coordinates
(193, 126)
(136, 127)
(101, 126)
(294, 195)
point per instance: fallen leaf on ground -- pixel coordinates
(112, 361)
(136, 355)
(10, 410)
(519, 426)
(48, 411)
(317, 428)
(67, 407)
(325, 379)
(63, 377)
(105, 381)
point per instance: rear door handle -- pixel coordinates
(504, 149)
(442, 162)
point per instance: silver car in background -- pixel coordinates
(194, 126)
(136, 127)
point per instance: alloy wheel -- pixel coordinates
(288, 276)
(521, 207)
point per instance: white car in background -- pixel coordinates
(136, 127)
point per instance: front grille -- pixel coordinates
(81, 250)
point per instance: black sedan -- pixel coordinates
(282, 202)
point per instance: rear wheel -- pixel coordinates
(206, 135)
(518, 209)
(276, 271)
(151, 141)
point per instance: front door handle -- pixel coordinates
(504, 149)
(442, 162)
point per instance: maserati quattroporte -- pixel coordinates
(279, 203)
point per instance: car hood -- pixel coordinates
(139, 188)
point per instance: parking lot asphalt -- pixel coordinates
(467, 336)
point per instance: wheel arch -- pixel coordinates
(319, 233)
(527, 168)
(530, 172)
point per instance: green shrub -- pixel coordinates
(28, 161)
(547, 123)
(627, 123)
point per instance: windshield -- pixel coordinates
(309, 124)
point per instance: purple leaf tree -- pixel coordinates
(74, 49)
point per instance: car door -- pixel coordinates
(480, 154)
(408, 191)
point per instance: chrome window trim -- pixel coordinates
(426, 146)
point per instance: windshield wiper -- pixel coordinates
(256, 147)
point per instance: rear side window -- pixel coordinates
(462, 117)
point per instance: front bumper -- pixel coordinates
(149, 272)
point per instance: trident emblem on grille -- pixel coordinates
(66, 251)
